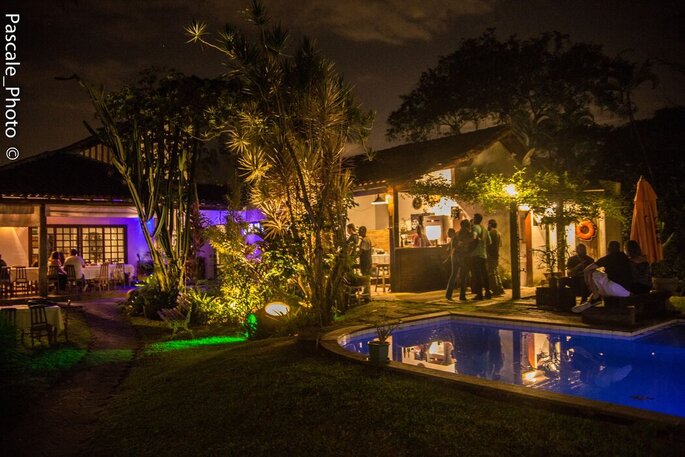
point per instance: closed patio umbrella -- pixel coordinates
(644, 227)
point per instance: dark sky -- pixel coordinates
(381, 46)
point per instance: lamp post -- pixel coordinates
(510, 189)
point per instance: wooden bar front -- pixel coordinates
(420, 269)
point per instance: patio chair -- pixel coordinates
(101, 281)
(53, 277)
(5, 281)
(118, 276)
(21, 281)
(8, 316)
(72, 281)
(40, 326)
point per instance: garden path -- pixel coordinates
(63, 420)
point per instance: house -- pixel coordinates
(391, 214)
(83, 202)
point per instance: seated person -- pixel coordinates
(639, 268)
(54, 261)
(614, 281)
(78, 263)
(576, 278)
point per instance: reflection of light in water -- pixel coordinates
(435, 348)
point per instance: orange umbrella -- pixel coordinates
(644, 227)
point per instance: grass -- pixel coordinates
(29, 372)
(275, 397)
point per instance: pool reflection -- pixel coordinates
(643, 372)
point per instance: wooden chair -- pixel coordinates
(21, 281)
(102, 279)
(5, 281)
(382, 275)
(8, 317)
(53, 277)
(118, 276)
(40, 326)
(72, 281)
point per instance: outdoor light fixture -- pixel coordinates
(379, 200)
(510, 189)
(277, 309)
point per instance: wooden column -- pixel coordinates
(43, 252)
(394, 229)
(515, 260)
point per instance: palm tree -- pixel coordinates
(292, 129)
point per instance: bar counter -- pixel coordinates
(420, 269)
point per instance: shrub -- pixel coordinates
(150, 298)
(251, 275)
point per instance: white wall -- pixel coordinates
(14, 245)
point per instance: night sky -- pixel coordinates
(381, 47)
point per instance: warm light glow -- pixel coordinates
(277, 309)
(524, 207)
(510, 189)
(379, 200)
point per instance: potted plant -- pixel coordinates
(547, 259)
(378, 349)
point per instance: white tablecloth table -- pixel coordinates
(380, 259)
(52, 313)
(31, 274)
(90, 272)
(93, 271)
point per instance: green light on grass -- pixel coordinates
(188, 344)
(55, 360)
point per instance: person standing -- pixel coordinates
(479, 268)
(365, 260)
(459, 260)
(494, 243)
(420, 240)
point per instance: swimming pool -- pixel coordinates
(646, 371)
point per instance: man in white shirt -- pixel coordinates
(78, 264)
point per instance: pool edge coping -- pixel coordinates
(589, 408)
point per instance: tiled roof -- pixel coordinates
(65, 175)
(400, 164)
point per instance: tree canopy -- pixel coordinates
(547, 88)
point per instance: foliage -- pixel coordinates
(384, 329)
(251, 274)
(542, 191)
(153, 128)
(205, 307)
(290, 134)
(150, 298)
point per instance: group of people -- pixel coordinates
(58, 261)
(625, 273)
(361, 250)
(474, 253)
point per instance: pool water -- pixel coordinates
(646, 371)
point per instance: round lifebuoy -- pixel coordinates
(586, 230)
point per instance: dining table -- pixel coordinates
(53, 314)
(89, 271)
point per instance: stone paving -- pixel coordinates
(62, 421)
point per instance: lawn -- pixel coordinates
(277, 397)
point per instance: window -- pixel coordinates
(97, 243)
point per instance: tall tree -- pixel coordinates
(154, 128)
(297, 117)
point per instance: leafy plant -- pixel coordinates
(384, 329)
(150, 298)
(290, 133)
